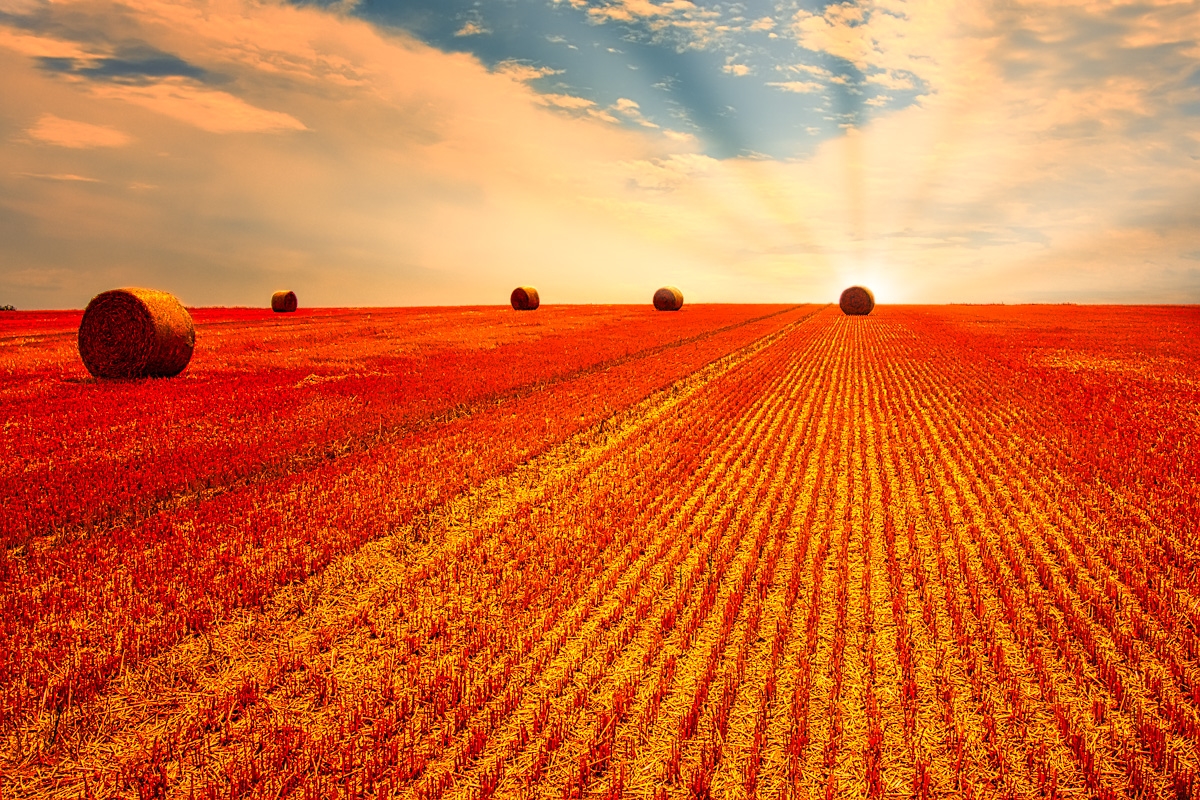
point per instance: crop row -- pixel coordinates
(266, 399)
(466, 607)
(1044, 599)
(1117, 388)
(592, 702)
(857, 560)
(539, 737)
(137, 589)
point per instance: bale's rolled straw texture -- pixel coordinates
(857, 301)
(136, 333)
(283, 302)
(668, 298)
(525, 298)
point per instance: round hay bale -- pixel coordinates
(668, 298)
(525, 298)
(136, 333)
(283, 302)
(857, 301)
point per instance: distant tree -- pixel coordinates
(8, 308)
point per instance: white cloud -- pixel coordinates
(471, 28)
(808, 69)
(836, 32)
(681, 137)
(679, 24)
(629, 10)
(890, 81)
(568, 101)
(670, 172)
(524, 72)
(797, 87)
(631, 110)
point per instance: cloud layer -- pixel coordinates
(225, 149)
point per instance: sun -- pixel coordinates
(876, 278)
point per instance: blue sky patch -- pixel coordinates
(131, 65)
(730, 74)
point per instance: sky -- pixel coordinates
(440, 152)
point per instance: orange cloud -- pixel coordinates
(209, 110)
(424, 177)
(68, 177)
(39, 46)
(70, 133)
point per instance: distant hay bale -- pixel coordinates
(283, 302)
(857, 301)
(668, 298)
(525, 298)
(136, 333)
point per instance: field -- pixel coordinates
(603, 552)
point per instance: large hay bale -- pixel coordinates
(136, 333)
(283, 302)
(668, 298)
(857, 301)
(525, 298)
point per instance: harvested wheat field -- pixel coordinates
(603, 552)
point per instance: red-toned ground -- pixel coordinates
(733, 551)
